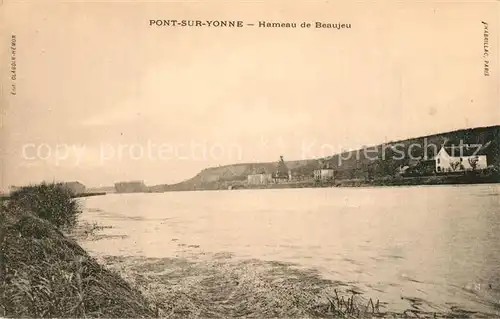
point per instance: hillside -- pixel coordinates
(378, 161)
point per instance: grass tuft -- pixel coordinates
(50, 201)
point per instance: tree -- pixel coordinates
(473, 162)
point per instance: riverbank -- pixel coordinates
(43, 273)
(421, 180)
(458, 179)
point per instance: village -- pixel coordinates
(281, 174)
(449, 161)
(462, 161)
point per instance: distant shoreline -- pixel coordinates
(356, 168)
(386, 182)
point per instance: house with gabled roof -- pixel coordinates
(460, 158)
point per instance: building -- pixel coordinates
(259, 179)
(131, 187)
(75, 187)
(460, 159)
(324, 173)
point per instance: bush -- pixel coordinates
(53, 202)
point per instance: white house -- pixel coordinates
(323, 174)
(459, 159)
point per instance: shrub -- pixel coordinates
(53, 202)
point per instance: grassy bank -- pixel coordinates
(43, 273)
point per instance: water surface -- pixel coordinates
(440, 244)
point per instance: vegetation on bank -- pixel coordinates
(43, 273)
(50, 201)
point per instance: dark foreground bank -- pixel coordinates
(45, 274)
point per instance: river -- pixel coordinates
(435, 243)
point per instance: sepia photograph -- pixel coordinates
(249, 159)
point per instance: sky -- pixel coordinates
(102, 96)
